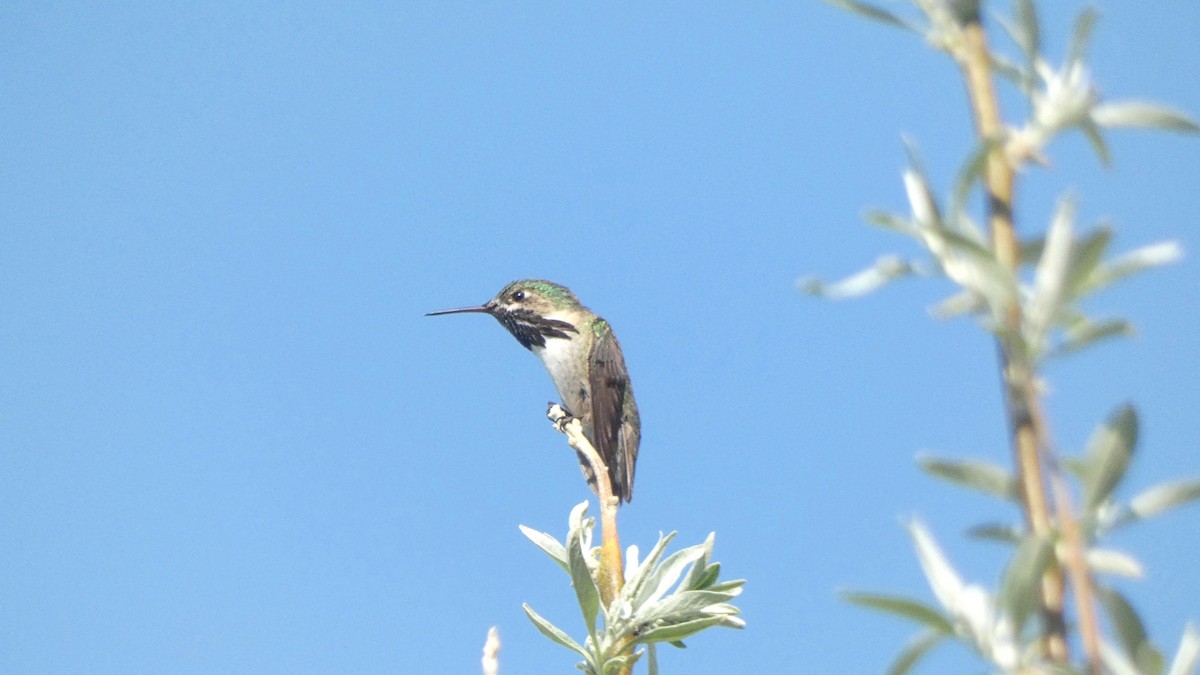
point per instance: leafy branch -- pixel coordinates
(1027, 294)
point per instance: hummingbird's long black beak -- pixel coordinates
(483, 309)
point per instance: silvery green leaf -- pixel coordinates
(917, 648)
(707, 578)
(1092, 132)
(1031, 250)
(973, 474)
(1083, 334)
(700, 570)
(1051, 275)
(964, 302)
(615, 664)
(1031, 32)
(901, 606)
(1143, 114)
(1010, 71)
(633, 585)
(1108, 561)
(920, 200)
(1086, 256)
(1014, 32)
(575, 521)
(1188, 654)
(1164, 496)
(890, 221)
(582, 581)
(943, 579)
(1006, 534)
(875, 13)
(555, 633)
(548, 544)
(972, 266)
(1020, 591)
(680, 606)
(970, 174)
(733, 586)
(1082, 35)
(1147, 257)
(886, 269)
(1116, 662)
(665, 575)
(678, 631)
(1130, 631)
(1108, 453)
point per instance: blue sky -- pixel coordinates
(231, 442)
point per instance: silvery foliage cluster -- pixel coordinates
(1058, 270)
(663, 599)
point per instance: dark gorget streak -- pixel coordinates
(532, 329)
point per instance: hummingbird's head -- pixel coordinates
(531, 309)
(536, 296)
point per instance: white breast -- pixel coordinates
(561, 361)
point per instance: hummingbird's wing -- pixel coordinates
(615, 424)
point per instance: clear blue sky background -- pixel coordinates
(231, 443)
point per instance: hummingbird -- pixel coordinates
(585, 362)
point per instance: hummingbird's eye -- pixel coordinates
(518, 296)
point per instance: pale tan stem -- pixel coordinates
(610, 576)
(1025, 419)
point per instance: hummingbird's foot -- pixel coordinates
(559, 415)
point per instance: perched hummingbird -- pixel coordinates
(583, 358)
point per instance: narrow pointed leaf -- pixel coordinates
(1147, 257)
(618, 664)
(890, 221)
(1031, 250)
(1165, 496)
(875, 13)
(705, 579)
(1108, 454)
(970, 174)
(914, 651)
(1108, 561)
(554, 632)
(665, 575)
(586, 592)
(680, 606)
(1082, 35)
(1188, 654)
(548, 544)
(1020, 592)
(943, 579)
(1010, 71)
(1005, 534)
(886, 269)
(1092, 132)
(1031, 32)
(907, 608)
(1084, 334)
(1130, 631)
(678, 631)
(973, 474)
(1143, 114)
(633, 586)
(1115, 661)
(964, 302)
(700, 569)
(1086, 257)
(1050, 279)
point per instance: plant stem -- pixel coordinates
(610, 574)
(1024, 407)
